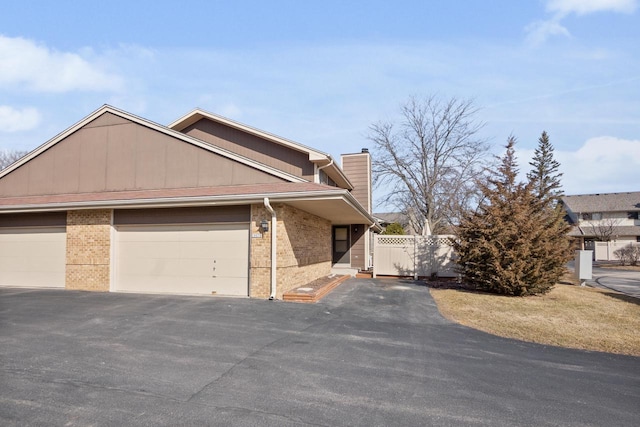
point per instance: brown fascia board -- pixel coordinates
(155, 126)
(318, 157)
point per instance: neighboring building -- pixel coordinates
(119, 203)
(387, 218)
(409, 222)
(602, 217)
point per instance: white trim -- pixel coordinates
(149, 124)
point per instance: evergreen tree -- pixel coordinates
(514, 243)
(544, 175)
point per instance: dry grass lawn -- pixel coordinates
(568, 316)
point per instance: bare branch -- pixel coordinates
(430, 160)
(605, 228)
(7, 157)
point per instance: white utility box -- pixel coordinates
(583, 265)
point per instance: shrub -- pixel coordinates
(394, 228)
(516, 242)
(630, 254)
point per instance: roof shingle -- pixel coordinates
(605, 202)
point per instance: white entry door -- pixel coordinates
(33, 257)
(183, 259)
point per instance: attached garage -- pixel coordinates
(176, 251)
(33, 256)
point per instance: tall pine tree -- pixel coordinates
(545, 175)
(514, 243)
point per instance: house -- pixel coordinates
(409, 222)
(387, 218)
(119, 203)
(602, 217)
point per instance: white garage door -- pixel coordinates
(33, 257)
(183, 259)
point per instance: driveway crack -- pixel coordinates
(252, 354)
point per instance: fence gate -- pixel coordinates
(415, 256)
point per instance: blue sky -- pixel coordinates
(321, 72)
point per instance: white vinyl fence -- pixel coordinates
(604, 251)
(416, 256)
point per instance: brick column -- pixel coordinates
(260, 258)
(88, 250)
(304, 250)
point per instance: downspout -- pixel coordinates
(325, 166)
(371, 244)
(322, 167)
(274, 259)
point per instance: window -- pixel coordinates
(632, 215)
(587, 216)
(325, 179)
(596, 216)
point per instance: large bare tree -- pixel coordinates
(9, 156)
(428, 162)
(604, 229)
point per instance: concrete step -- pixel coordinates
(342, 271)
(311, 294)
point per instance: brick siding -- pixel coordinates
(303, 250)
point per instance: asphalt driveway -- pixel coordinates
(626, 282)
(373, 352)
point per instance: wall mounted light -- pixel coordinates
(264, 225)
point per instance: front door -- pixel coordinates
(341, 254)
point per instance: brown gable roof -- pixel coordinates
(319, 158)
(112, 150)
(605, 202)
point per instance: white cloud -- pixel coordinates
(39, 68)
(603, 164)
(538, 32)
(583, 7)
(13, 120)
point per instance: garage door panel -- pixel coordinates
(171, 285)
(192, 249)
(228, 267)
(180, 233)
(44, 263)
(161, 267)
(33, 257)
(181, 259)
(13, 264)
(15, 247)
